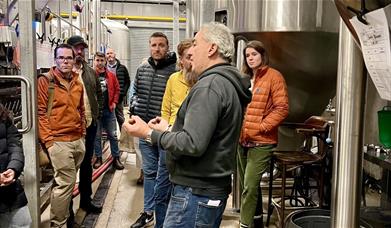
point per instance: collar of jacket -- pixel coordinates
(58, 74)
(97, 73)
(168, 60)
(116, 63)
(261, 71)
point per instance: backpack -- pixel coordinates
(44, 159)
(50, 92)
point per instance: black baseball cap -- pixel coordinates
(75, 40)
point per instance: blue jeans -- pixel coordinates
(162, 190)
(188, 210)
(109, 123)
(150, 156)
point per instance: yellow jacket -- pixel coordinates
(176, 92)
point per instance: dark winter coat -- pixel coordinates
(123, 80)
(150, 84)
(11, 157)
(94, 91)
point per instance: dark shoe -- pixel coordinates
(91, 208)
(98, 162)
(71, 220)
(140, 180)
(143, 221)
(117, 164)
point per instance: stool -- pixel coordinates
(304, 159)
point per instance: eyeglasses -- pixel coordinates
(62, 58)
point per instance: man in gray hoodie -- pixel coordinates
(201, 144)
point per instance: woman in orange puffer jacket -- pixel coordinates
(267, 109)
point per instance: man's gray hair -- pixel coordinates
(220, 35)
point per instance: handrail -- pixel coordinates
(29, 106)
(62, 19)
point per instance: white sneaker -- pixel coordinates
(266, 175)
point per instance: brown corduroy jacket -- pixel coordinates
(267, 109)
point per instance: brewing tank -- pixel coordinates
(301, 37)
(118, 37)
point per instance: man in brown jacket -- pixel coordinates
(62, 129)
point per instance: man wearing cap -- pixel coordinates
(93, 101)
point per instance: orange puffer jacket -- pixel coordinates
(267, 109)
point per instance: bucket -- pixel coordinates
(314, 218)
(384, 121)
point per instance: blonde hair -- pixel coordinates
(182, 47)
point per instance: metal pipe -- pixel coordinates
(9, 8)
(189, 23)
(159, 2)
(347, 168)
(96, 173)
(143, 18)
(236, 193)
(66, 21)
(70, 19)
(27, 92)
(43, 26)
(28, 68)
(98, 26)
(58, 20)
(94, 26)
(87, 11)
(175, 23)
(82, 24)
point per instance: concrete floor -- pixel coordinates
(124, 200)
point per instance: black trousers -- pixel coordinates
(85, 174)
(119, 113)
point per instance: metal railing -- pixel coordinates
(28, 99)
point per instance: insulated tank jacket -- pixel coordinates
(150, 84)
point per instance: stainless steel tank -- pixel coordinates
(118, 37)
(301, 37)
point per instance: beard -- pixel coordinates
(79, 59)
(190, 77)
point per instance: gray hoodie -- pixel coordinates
(201, 147)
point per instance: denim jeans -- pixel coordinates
(109, 123)
(188, 210)
(17, 218)
(162, 190)
(150, 156)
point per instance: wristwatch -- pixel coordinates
(148, 139)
